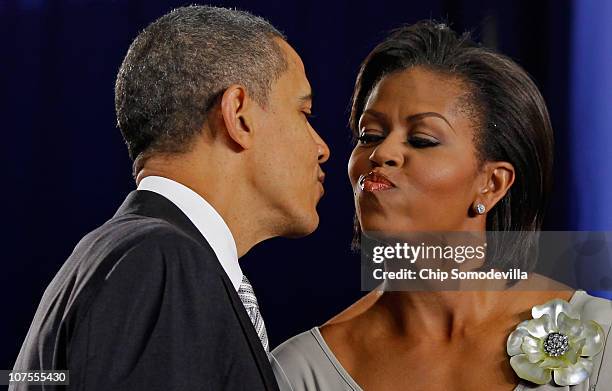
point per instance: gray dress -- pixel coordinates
(306, 363)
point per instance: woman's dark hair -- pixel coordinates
(511, 119)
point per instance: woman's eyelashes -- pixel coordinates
(415, 141)
(369, 138)
(422, 142)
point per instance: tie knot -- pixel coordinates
(246, 294)
(245, 287)
(245, 281)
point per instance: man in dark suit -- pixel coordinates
(213, 105)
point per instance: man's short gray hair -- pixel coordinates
(180, 64)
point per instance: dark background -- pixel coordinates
(66, 169)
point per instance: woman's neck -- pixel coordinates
(451, 314)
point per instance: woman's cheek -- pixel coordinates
(357, 165)
(443, 176)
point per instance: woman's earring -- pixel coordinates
(480, 208)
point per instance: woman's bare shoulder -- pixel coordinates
(355, 310)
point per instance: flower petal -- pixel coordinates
(573, 354)
(553, 308)
(532, 347)
(568, 326)
(529, 371)
(594, 338)
(554, 363)
(540, 327)
(574, 374)
(515, 339)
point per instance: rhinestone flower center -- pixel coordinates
(556, 344)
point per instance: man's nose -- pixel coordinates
(322, 148)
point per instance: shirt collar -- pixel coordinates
(206, 219)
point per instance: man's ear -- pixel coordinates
(237, 110)
(497, 179)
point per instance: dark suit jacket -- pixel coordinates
(144, 304)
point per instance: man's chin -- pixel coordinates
(303, 226)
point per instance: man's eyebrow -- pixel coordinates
(306, 98)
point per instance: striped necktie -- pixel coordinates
(247, 296)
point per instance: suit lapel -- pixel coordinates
(147, 203)
(150, 204)
(261, 358)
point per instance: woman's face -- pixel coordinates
(415, 166)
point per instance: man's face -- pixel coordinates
(289, 151)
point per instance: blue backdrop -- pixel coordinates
(590, 153)
(66, 169)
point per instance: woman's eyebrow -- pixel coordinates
(418, 116)
(411, 118)
(375, 114)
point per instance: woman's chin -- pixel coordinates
(381, 225)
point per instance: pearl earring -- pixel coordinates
(480, 208)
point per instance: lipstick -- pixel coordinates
(374, 181)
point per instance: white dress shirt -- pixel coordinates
(206, 219)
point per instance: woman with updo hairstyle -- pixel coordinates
(453, 137)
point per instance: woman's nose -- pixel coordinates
(388, 153)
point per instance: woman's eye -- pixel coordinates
(369, 138)
(420, 142)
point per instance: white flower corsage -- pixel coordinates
(555, 343)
